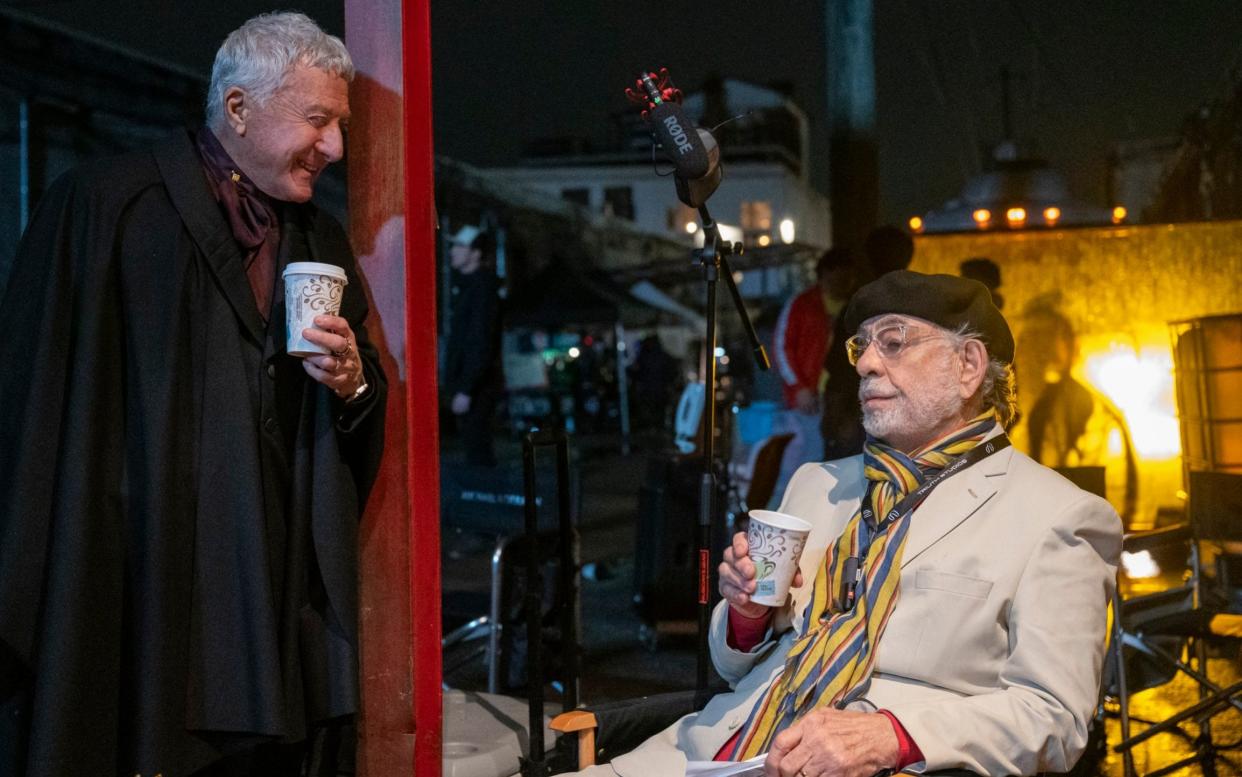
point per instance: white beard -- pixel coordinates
(911, 416)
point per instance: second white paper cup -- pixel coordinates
(311, 289)
(776, 541)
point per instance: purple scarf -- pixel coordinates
(251, 215)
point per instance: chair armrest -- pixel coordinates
(584, 724)
(616, 727)
(574, 720)
(1134, 542)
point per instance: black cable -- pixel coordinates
(655, 163)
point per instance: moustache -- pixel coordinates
(867, 389)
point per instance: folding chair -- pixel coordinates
(1152, 631)
(488, 503)
(761, 471)
(505, 649)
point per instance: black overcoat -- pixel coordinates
(178, 500)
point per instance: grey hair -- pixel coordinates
(1000, 385)
(258, 55)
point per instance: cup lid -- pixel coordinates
(315, 268)
(780, 520)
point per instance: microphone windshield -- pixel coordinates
(681, 143)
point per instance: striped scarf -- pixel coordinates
(836, 651)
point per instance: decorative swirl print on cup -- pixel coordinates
(321, 294)
(311, 289)
(775, 551)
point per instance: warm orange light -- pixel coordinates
(1052, 215)
(1016, 216)
(764, 240)
(982, 217)
(1119, 214)
(916, 224)
(1140, 383)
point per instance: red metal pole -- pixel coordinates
(392, 229)
(420, 360)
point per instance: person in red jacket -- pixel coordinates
(804, 330)
(803, 334)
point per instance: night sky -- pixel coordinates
(1085, 74)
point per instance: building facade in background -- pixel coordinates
(765, 200)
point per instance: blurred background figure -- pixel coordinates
(887, 248)
(803, 333)
(473, 377)
(655, 376)
(1071, 425)
(987, 272)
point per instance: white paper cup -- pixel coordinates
(311, 289)
(776, 541)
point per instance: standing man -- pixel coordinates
(972, 635)
(472, 370)
(179, 497)
(987, 272)
(803, 333)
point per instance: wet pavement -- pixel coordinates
(1157, 704)
(620, 659)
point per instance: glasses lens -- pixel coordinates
(890, 340)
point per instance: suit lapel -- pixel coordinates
(186, 183)
(953, 502)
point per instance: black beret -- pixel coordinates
(946, 300)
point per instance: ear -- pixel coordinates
(236, 109)
(974, 362)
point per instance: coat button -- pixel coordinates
(269, 424)
(271, 373)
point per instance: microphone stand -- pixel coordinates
(714, 258)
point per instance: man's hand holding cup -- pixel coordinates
(775, 540)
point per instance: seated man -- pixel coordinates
(974, 633)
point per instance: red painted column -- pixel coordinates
(392, 228)
(424, 446)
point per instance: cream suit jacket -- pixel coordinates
(992, 657)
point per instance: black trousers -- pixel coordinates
(476, 429)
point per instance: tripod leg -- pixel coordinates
(1123, 689)
(1203, 742)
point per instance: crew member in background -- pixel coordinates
(803, 334)
(473, 378)
(987, 272)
